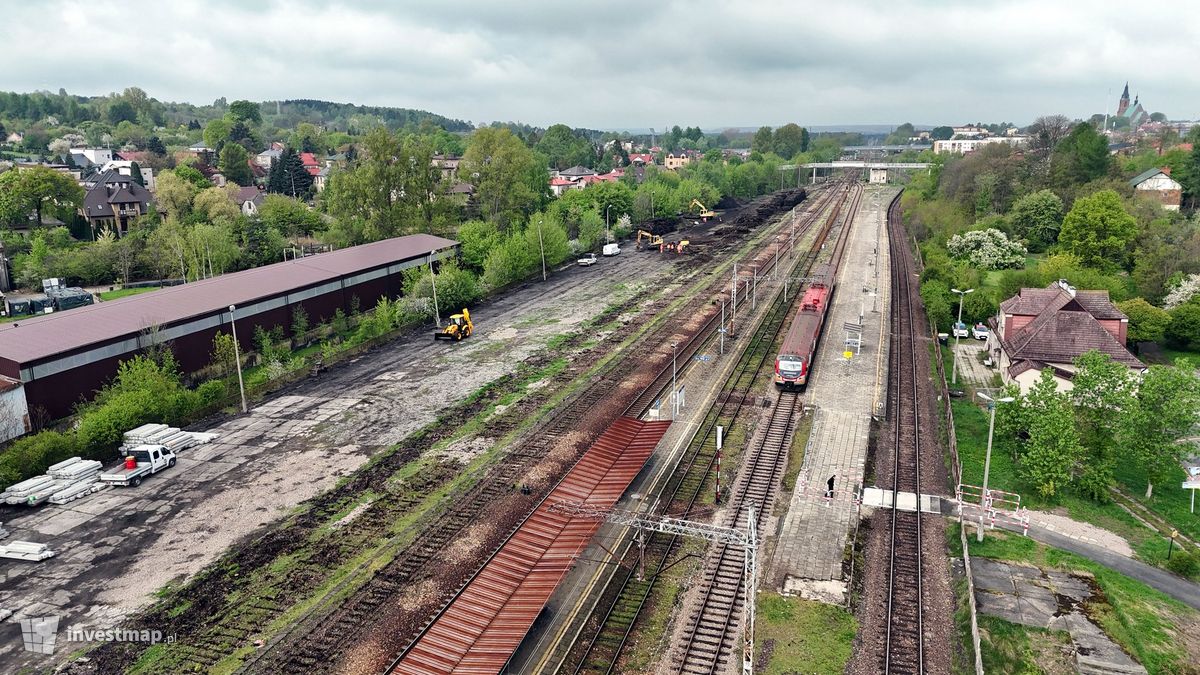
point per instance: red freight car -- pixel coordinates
(794, 362)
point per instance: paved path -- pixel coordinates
(1162, 580)
(969, 367)
(846, 393)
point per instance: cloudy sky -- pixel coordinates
(625, 63)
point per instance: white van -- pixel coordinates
(611, 249)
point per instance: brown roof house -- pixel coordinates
(1050, 327)
(114, 201)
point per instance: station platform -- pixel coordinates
(845, 393)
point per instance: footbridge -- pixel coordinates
(874, 172)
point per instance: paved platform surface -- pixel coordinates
(846, 393)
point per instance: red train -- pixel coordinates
(799, 347)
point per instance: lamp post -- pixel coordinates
(237, 356)
(543, 248)
(437, 316)
(987, 461)
(674, 388)
(607, 236)
(954, 367)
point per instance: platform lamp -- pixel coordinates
(954, 367)
(987, 461)
(237, 356)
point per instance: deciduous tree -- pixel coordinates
(234, 164)
(1037, 217)
(1165, 410)
(510, 180)
(1099, 231)
(1147, 323)
(1053, 448)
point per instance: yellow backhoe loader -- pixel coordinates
(459, 327)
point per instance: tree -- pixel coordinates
(942, 133)
(224, 353)
(546, 234)
(1036, 218)
(1099, 231)
(216, 133)
(261, 244)
(509, 262)
(155, 145)
(1165, 410)
(1182, 291)
(1147, 323)
(288, 175)
(290, 217)
(763, 141)
(234, 164)
(510, 180)
(1053, 447)
(1103, 388)
(174, 194)
(245, 111)
(789, 140)
(216, 203)
(1184, 329)
(477, 239)
(119, 111)
(1046, 132)
(135, 172)
(37, 190)
(1081, 157)
(988, 249)
(564, 149)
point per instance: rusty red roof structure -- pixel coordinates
(41, 337)
(481, 627)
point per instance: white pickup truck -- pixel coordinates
(142, 461)
(587, 260)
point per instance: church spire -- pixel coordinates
(1125, 94)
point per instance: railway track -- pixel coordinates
(628, 592)
(904, 639)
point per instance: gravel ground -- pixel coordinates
(116, 547)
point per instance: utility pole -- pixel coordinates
(987, 461)
(437, 316)
(543, 248)
(674, 386)
(606, 235)
(721, 330)
(237, 356)
(954, 366)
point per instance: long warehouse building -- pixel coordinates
(50, 363)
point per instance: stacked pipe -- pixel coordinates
(159, 434)
(25, 550)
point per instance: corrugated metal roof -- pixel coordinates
(483, 625)
(44, 336)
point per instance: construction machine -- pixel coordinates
(457, 328)
(705, 213)
(652, 240)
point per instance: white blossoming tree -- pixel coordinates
(988, 249)
(1185, 290)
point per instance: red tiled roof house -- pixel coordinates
(1050, 327)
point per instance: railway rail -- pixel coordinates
(322, 636)
(627, 595)
(904, 638)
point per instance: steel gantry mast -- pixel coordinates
(746, 537)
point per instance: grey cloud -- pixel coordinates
(626, 63)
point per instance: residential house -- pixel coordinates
(125, 168)
(642, 158)
(112, 200)
(249, 199)
(1048, 328)
(970, 131)
(559, 185)
(1157, 184)
(675, 161)
(311, 165)
(321, 179)
(14, 138)
(965, 145)
(86, 158)
(448, 166)
(264, 158)
(575, 173)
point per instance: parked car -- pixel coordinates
(611, 249)
(587, 260)
(959, 330)
(979, 331)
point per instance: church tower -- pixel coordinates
(1123, 105)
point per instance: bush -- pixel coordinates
(31, 455)
(212, 392)
(1184, 328)
(1184, 564)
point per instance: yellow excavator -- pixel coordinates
(705, 213)
(652, 240)
(459, 327)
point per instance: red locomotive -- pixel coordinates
(799, 348)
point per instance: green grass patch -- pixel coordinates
(125, 292)
(1139, 618)
(794, 635)
(1013, 649)
(1170, 501)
